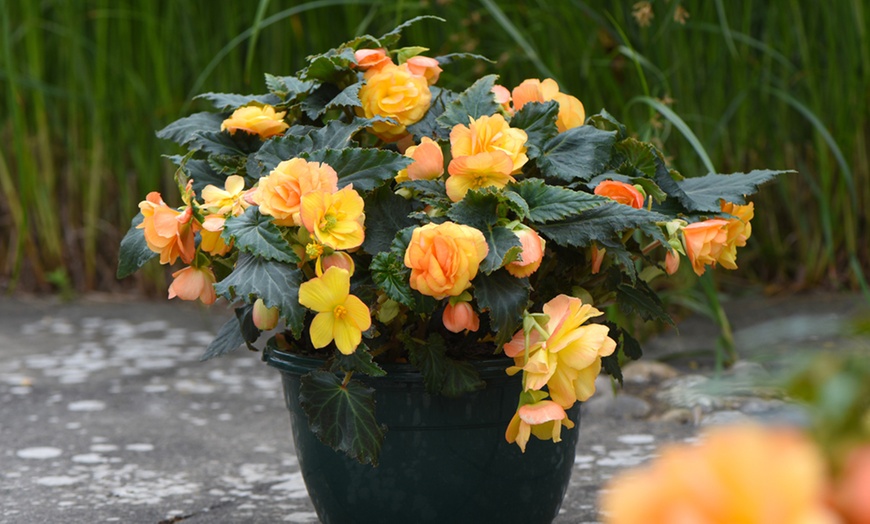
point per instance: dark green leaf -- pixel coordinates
(504, 248)
(547, 203)
(245, 317)
(577, 154)
(226, 165)
(330, 66)
(275, 282)
(183, 130)
(606, 122)
(479, 209)
(224, 143)
(229, 101)
(199, 171)
(506, 298)
(600, 224)
(475, 102)
(642, 156)
(429, 191)
(610, 365)
(428, 126)
(705, 192)
(255, 233)
(431, 359)
(460, 377)
(365, 168)
(315, 104)
(360, 361)
(453, 57)
(539, 122)
(229, 338)
(134, 250)
(386, 214)
(391, 276)
(337, 134)
(342, 416)
(643, 301)
(287, 87)
(275, 151)
(390, 39)
(349, 97)
(630, 346)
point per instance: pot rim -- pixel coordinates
(286, 362)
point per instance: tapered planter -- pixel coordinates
(443, 459)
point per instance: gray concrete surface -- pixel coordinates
(107, 415)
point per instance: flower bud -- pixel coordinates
(265, 318)
(338, 259)
(460, 317)
(532, 254)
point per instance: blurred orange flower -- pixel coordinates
(426, 67)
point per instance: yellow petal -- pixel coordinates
(321, 329)
(347, 336)
(234, 184)
(324, 293)
(358, 312)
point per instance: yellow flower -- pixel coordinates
(212, 242)
(228, 200)
(444, 258)
(340, 316)
(280, 194)
(397, 93)
(478, 171)
(541, 418)
(428, 162)
(569, 359)
(571, 111)
(740, 474)
(263, 121)
(336, 219)
(489, 134)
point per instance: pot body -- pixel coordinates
(443, 459)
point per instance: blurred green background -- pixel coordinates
(762, 84)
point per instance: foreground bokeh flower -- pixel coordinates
(192, 283)
(852, 494)
(490, 134)
(168, 231)
(736, 475)
(541, 418)
(444, 258)
(263, 121)
(397, 93)
(280, 193)
(335, 219)
(620, 192)
(569, 359)
(340, 316)
(571, 111)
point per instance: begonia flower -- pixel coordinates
(167, 231)
(444, 258)
(192, 283)
(262, 121)
(279, 194)
(341, 317)
(396, 93)
(334, 219)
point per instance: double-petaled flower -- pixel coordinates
(262, 121)
(334, 219)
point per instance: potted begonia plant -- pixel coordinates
(436, 264)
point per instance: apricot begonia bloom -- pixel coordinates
(571, 111)
(228, 200)
(444, 258)
(489, 134)
(738, 474)
(340, 316)
(544, 419)
(168, 231)
(459, 317)
(532, 254)
(371, 59)
(426, 67)
(280, 193)
(620, 192)
(192, 283)
(211, 240)
(263, 121)
(488, 169)
(428, 162)
(335, 219)
(502, 97)
(704, 242)
(738, 229)
(397, 93)
(854, 486)
(559, 361)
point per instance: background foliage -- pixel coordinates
(763, 83)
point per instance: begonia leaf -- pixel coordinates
(365, 168)
(231, 101)
(547, 203)
(134, 250)
(386, 214)
(705, 192)
(577, 154)
(360, 361)
(538, 120)
(342, 416)
(505, 297)
(183, 130)
(601, 223)
(429, 126)
(255, 233)
(475, 102)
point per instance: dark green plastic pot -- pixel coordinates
(443, 460)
